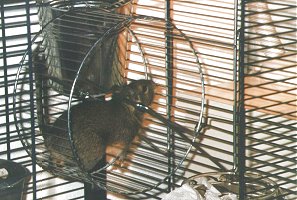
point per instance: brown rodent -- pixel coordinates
(97, 124)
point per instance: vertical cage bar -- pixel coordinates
(241, 108)
(5, 82)
(235, 92)
(94, 193)
(31, 86)
(169, 83)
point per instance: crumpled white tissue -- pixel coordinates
(186, 192)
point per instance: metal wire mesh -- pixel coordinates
(270, 89)
(54, 94)
(269, 63)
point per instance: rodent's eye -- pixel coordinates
(130, 94)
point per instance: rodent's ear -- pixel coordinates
(145, 89)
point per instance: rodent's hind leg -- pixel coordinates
(117, 152)
(100, 165)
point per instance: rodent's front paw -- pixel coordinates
(121, 160)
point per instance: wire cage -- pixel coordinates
(90, 36)
(270, 92)
(224, 106)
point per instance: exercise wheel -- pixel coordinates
(80, 55)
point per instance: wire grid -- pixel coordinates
(68, 4)
(219, 129)
(270, 92)
(139, 175)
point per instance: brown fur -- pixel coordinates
(98, 124)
